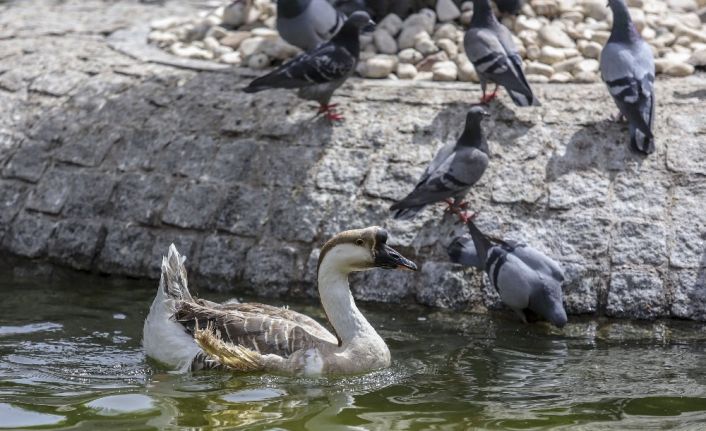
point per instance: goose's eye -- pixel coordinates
(359, 241)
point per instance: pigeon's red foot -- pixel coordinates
(466, 216)
(487, 98)
(334, 116)
(330, 113)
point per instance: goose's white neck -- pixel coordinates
(338, 302)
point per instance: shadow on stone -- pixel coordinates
(700, 94)
(603, 145)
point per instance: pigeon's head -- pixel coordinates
(362, 21)
(548, 302)
(361, 250)
(616, 4)
(475, 115)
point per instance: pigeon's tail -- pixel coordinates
(523, 98)
(404, 213)
(641, 142)
(254, 87)
(480, 241)
(463, 251)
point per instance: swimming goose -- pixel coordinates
(189, 333)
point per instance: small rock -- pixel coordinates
(648, 34)
(392, 24)
(217, 32)
(278, 49)
(162, 37)
(448, 46)
(551, 55)
(537, 78)
(234, 38)
(586, 77)
(698, 58)
(424, 44)
(232, 58)
(251, 46)
(567, 65)
(638, 18)
(236, 14)
(555, 36)
(167, 23)
(533, 52)
(596, 9)
(406, 71)
(537, 68)
(548, 8)
(600, 36)
(446, 10)
(410, 55)
(524, 23)
(682, 5)
(384, 42)
(258, 61)
(589, 65)
(591, 50)
(447, 31)
(379, 66)
(426, 64)
(678, 69)
(466, 17)
(425, 18)
(190, 51)
(466, 71)
(266, 33)
(408, 35)
(561, 77)
(444, 71)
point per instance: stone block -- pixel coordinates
(637, 295)
(57, 83)
(193, 205)
(236, 161)
(514, 184)
(89, 195)
(269, 270)
(135, 150)
(688, 237)
(297, 215)
(140, 197)
(222, 259)
(27, 163)
(685, 155)
(362, 212)
(28, 235)
(278, 166)
(342, 170)
(638, 243)
(75, 242)
(185, 155)
(392, 180)
(640, 195)
(446, 285)
(185, 244)
(244, 210)
(391, 286)
(52, 191)
(125, 250)
(88, 147)
(579, 191)
(689, 294)
(12, 196)
(582, 288)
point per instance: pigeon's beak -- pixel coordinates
(370, 26)
(388, 258)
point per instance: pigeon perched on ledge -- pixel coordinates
(318, 73)
(525, 278)
(490, 48)
(307, 23)
(628, 69)
(456, 167)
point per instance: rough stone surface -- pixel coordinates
(102, 172)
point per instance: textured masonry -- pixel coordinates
(106, 160)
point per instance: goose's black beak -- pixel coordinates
(369, 27)
(388, 258)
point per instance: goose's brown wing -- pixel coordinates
(263, 328)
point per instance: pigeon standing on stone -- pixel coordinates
(490, 48)
(628, 68)
(456, 167)
(318, 73)
(307, 23)
(525, 278)
(509, 7)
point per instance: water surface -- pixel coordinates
(70, 358)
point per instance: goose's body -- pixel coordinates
(188, 333)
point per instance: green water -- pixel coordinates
(70, 358)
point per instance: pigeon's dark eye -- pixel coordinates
(359, 241)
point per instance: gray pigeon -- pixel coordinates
(318, 73)
(525, 278)
(456, 167)
(628, 68)
(307, 23)
(490, 48)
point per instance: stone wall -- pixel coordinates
(106, 159)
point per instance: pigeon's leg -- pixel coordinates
(329, 112)
(487, 98)
(458, 208)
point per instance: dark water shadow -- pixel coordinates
(699, 94)
(603, 145)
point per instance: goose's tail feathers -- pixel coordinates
(173, 280)
(232, 356)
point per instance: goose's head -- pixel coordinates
(361, 250)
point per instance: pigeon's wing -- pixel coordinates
(497, 61)
(628, 71)
(326, 63)
(458, 172)
(462, 250)
(325, 20)
(511, 277)
(539, 261)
